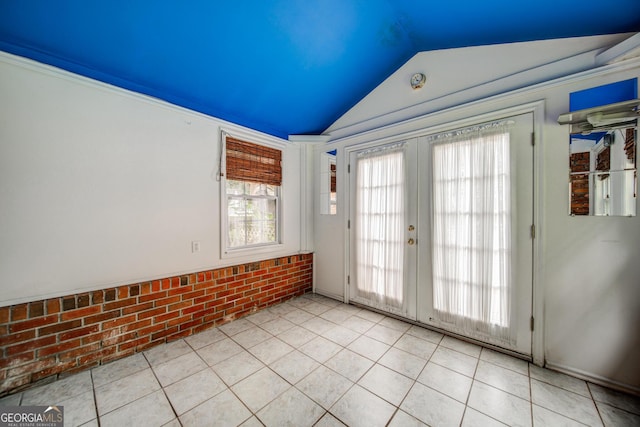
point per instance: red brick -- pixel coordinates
(18, 337)
(151, 329)
(94, 357)
(163, 333)
(123, 292)
(101, 317)
(167, 301)
(145, 288)
(53, 370)
(179, 320)
(108, 306)
(54, 349)
(82, 312)
(76, 333)
(117, 355)
(32, 367)
(179, 335)
(208, 275)
(18, 312)
(77, 352)
(190, 324)
(115, 323)
(4, 314)
(59, 327)
(193, 294)
(53, 306)
(151, 313)
(214, 290)
(29, 345)
(17, 360)
(193, 309)
(135, 325)
(118, 339)
(180, 305)
(152, 296)
(156, 286)
(138, 307)
(166, 316)
(179, 291)
(200, 277)
(137, 343)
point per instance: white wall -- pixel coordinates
(101, 187)
(588, 269)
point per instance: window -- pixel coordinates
(253, 180)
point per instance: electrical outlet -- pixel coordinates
(195, 246)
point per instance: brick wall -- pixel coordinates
(579, 162)
(62, 335)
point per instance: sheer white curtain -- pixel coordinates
(380, 213)
(472, 246)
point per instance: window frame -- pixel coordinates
(227, 251)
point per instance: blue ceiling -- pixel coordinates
(278, 66)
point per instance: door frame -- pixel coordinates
(537, 108)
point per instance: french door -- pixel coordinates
(440, 230)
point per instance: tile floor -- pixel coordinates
(313, 361)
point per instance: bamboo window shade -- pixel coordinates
(251, 162)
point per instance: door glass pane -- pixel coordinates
(380, 214)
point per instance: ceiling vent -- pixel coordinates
(601, 119)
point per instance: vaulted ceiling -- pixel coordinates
(279, 66)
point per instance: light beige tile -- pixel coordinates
(260, 388)
(369, 348)
(335, 315)
(192, 391)
(237, 368)
(178, 368)
(252, 422)
(329, 420)
(324, 386)
(294, 366)
(425, 334)
(270, 350)
(358, 324)
(205, 338)
(615, 417)
(341, 335)
(359, 407)
(298, 316)
(416, 346)
(405, 363)
(472, 350)
(459, 362)
(615, 398)
(431, 407)
(219, 351)
(505, 361)
(473, 418)
(317, 325)
(402, 419)
(222, 410)
(250, 337)
(371, 316)
(395, 324)
(320, 349)
(545, 418)
(291, 409)
(151, 410)
(500, 405)
(236, 326)
(446, 381)
(388, 384)
(79, 409)
(126, 390)
(559, 380)
(349, 364)
(262, 316)
(11, 400)
(503, 379)
(564, 402)
(384, 334)
(118, 369)
(277, 326)
(58, 391)
(165, 352)
(297, 336)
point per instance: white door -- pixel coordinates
(382, 227)
(476, 249)
(440, 230)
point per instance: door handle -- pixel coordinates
(411, 242)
